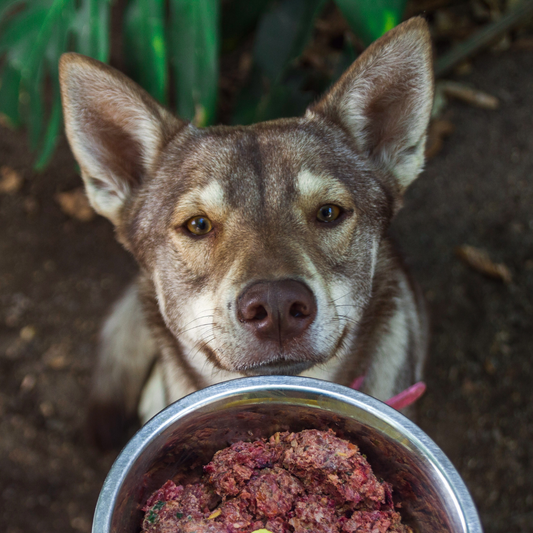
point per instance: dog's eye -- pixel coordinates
(328, 213)
(199, 225)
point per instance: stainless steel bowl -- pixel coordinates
(186, 434)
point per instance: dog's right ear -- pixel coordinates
(384, 101)
(115, 129)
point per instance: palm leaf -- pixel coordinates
(7, 6)
(100, 15)
(33, 69)
(283, 33)
(9, 95)
(19, 37)
(91, 27)
(194, 46)
(370, 19)
(53, 130)
(55, 47)
(145, 45)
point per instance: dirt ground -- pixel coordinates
(59, 275)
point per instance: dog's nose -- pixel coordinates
(277, 310)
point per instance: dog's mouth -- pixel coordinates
(278, 368)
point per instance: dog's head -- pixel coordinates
(261, 241)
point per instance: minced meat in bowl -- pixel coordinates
(184, 437)
(310, 481)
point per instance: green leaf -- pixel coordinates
(82, 29)
(7, 6)
(53, 16)
(50, 138)
(194, 46)
(20, 35)
(59, 41)
(33, 69)
(145, 45)
(100, 26)
(248, 106)
(283, 34)
(92, 28)
(31, 95)
(261, 100)
(370, 19)
(9, 94)
(56, 46)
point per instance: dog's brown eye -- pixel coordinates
(328, 213)
(199, 225)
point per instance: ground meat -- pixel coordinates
(232, 467)
(329, 465)
(290, 483)
(273, 492)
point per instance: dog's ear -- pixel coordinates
(115, 130)
(384, 100)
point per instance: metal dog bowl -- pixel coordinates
(186, 434)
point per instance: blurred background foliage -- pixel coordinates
(173, 49)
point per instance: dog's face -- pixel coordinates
(261, 241)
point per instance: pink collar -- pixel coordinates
(401, 400)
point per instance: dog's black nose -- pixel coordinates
(277, 310)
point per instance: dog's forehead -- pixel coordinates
(267, 164)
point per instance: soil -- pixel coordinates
(58, 277)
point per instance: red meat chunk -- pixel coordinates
(233, 466)
(290, 483)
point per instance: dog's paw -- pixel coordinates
(108, 426)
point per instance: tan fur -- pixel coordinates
(261, 187)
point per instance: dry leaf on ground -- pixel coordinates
(479, 260)
(75, 204)
(10, 180)
(56, 357)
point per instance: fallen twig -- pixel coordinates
(480, 261)
(469, 95)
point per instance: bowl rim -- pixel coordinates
(462, 499)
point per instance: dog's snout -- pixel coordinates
(277, 310)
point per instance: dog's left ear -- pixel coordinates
(116, 130)
(384, 101)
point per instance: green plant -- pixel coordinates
(172, 49)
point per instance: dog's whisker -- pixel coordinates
(346, 320)
(198, 318)
(195, 327)
(341, 297)
(214, 325)
(199, 344)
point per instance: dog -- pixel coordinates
(263, 249)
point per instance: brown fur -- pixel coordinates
(261, 187)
